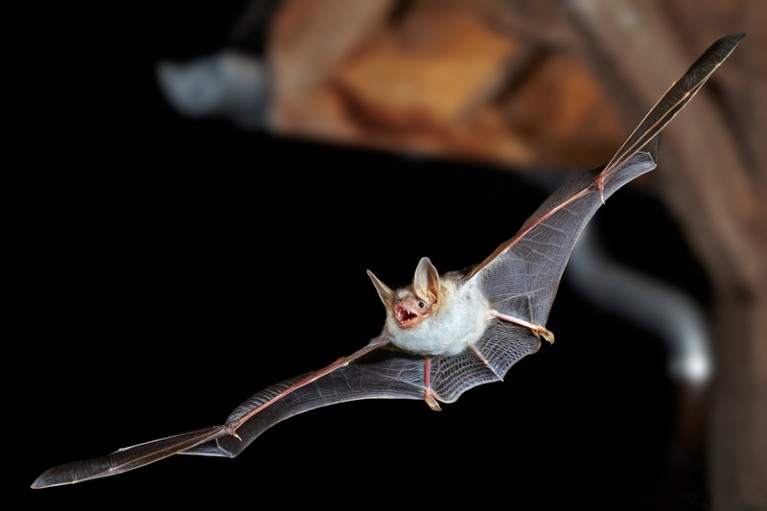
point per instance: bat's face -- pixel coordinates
(409, 310)
(409, 306)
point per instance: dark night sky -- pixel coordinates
(175, 267)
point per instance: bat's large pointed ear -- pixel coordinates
(426, 281)
(384, 292)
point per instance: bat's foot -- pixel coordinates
(543, 332)
(427, 395)
(433, 404)
(538, 330)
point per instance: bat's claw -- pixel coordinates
(231, 429)
(601, 188)
(543, 332)
(433, 404)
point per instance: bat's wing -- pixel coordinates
(502, 345)
(385, 374)
(375, 371)
(521, 277)
(372, 372)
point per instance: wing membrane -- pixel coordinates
(521, 277)
(370, 373)
(488, 360)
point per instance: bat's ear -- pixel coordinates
(386, 294)
(426, 281)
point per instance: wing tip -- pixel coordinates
(724, 46)
(49, 479)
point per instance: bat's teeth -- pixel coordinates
(403, 314)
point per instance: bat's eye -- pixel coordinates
(421, 305)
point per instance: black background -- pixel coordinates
(173, 267)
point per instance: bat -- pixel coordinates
(444, 333)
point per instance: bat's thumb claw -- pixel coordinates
(232, 431)
(601, 188)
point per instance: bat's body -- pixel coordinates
(435, 316)
(443, 334)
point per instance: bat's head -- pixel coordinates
(410, 305)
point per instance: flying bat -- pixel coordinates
(444, 333)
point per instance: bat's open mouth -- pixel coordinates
(404, 316)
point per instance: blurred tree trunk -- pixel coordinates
(717, 193)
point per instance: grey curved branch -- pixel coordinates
(666, 311)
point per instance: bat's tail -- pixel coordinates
(127, 458)
(672, 102)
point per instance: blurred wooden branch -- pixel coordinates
(441, 79)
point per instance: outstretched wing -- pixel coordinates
(376, 371)
(386, 374)
(372, 372)
(521, 277)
